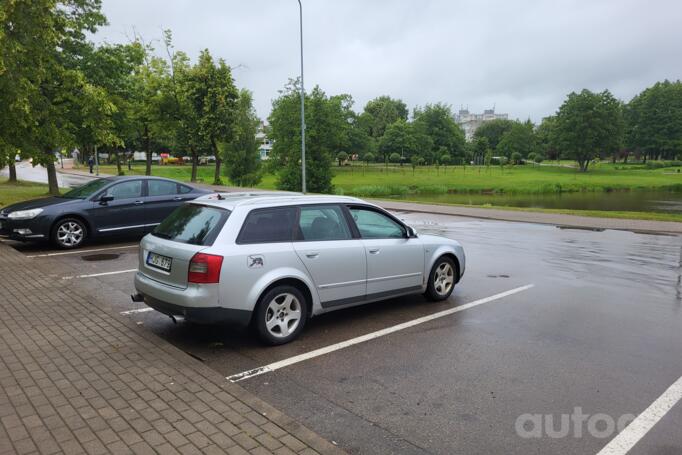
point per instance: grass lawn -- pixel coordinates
(380, 181)
(21, 191)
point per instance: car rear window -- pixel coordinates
(194, 224)
(268, 226)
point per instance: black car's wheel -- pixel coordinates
(69, 233)
(280, 315)
(441, 279)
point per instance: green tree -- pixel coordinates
(480, 148)
(241, 153)
(493, 131)
(654, 121)
(212, 95)
(381, 112)
(368, 157)
(588, 124)
(111, 68)
(43, 92)
(341, 157)
(546, 138)
(399, 138)
(520, 139)
(436, 122)
(394, 158)
(326, 132)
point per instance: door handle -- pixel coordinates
(139, 202)
(177, 198)
(374, 250)
(312, 255)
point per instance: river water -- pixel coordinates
(634, 201)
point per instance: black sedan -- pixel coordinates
(130, 205)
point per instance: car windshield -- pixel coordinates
(87, 190)
(194, 224)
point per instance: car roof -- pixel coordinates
(271, 199)
(121, 178)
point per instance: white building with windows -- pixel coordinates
(264, 143)
(470, 122)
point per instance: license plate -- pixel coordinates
(159, 261)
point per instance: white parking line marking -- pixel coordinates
(93, 250)
(99, 274)
(638, 428)
(141, 310)
(370, 336)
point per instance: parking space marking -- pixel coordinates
(140, 310)
(93, 250)
(638, 428)
(370, 336)
(92, 275)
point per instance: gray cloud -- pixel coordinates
(522, 56)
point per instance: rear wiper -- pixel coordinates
(162, 235)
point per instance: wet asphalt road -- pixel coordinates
(26, 172)
(600, 330)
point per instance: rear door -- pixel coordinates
(335, 260)
(162, 198)
(395, 263)
(125, 214)
(166, 253)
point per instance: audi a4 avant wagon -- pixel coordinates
(273, 261)
(108, 206)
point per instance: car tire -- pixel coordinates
(442, 279)
(280, 315)
(69, 233)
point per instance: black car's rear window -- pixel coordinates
(194, 224)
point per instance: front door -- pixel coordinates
(395, 263)
(124, 214)
(333, 258)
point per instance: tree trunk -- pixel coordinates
(12, 172)
(218, 164)
(118, 163)
(52, 175)
(195, 163)
(147, 151)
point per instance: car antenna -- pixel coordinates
(220, 196)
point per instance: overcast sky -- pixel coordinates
(521, 56)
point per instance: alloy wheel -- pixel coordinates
(283, 315)
(70, 234)
(444, 278)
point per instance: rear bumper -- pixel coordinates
(195, 303)
(214, 315)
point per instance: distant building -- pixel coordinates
(470, 122)
(264, 143)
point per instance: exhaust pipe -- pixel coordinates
(138, 298)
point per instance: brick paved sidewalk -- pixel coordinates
(77, 378)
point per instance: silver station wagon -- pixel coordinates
(274, 260)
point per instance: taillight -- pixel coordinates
(204, 268)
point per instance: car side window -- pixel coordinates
(323, 222)
(161, 188)
(268, 225)
(125, 190)
(184, 189)
(376, 225)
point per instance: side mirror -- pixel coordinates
(104, 199)
(411, 233)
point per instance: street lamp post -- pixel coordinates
(303, 182)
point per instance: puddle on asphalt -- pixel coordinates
(101, 257)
